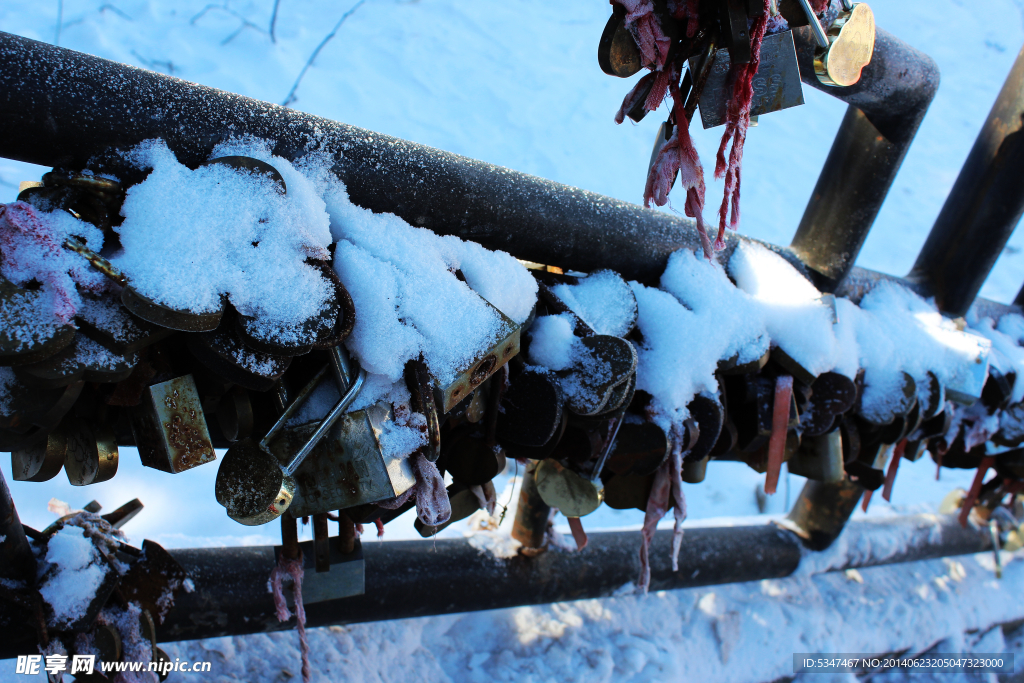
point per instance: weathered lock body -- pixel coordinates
(91, 455)
(776, 83)
(347, 468)
(170, 428)
(819, 458)
(483, 366)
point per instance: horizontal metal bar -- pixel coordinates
(421, 578)
(59, 107)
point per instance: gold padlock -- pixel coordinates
(851, 44)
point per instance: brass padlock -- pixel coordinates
(454, 389)
(170, 428)
(819, 458)
(91, 455)
(573, 494)
(851, 43)
(41, 461)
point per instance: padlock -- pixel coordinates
(832, 395)
(617, 53)
(41, 461)
(170, 428)
(31, 411)
(235, 415)
(709, 415)
(25, 335)
(531, 409)
(454, 388)
(639, 449)
(82, 360)
(776, 83)
(851, 44)
(256, 482)
(628, 491)
(224, 352)
(604, 364)
(819, 458)
(347, 468)
(105, 320)
(470, 458)
(91, 455)
(560, 487)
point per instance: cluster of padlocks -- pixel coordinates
(178, 385)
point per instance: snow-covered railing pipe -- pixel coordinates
(982, 209)
(64, 108)
(420, 578)
(887, 106)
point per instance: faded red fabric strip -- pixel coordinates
(890, 475)
(780, 426)
(578, 534)
(737, 123)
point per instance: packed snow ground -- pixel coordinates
(517, 84)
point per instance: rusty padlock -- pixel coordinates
(170, 428)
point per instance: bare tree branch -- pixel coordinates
(291, 93)
(273, 22)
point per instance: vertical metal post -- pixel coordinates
(982, 209)
(16, 559)
(822, 510)
(532, 514)
(886, 108)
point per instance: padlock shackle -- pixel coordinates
(325, 424)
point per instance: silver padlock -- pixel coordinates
(170, 428)
(346, 469)
(776, 84)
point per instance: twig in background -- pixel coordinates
(60, 21)
(291, 93)
(108, 6)
(245, 22)
(273, 22)
(155, 64)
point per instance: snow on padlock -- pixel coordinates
(25, 336)
(450, 391)
(82, 360)
(79, 577)
(224, 352)
(170, 428)
(104, 319)
(347, 468)
(968, 355)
